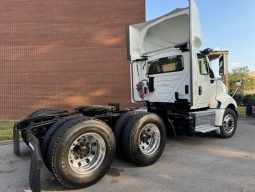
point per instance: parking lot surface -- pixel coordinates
(200, 164)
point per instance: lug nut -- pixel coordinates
(90, 137)
(87, 160)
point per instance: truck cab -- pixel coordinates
(169, 70)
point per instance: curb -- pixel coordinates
(7, 142)
(246, 118)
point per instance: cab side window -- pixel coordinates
(203, 64)
(166, 65)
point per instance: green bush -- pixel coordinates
(244, 99)
(249, 99)
(239, 99)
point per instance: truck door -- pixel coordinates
(170, 74)
(206, 84)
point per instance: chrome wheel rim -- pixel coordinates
(86, 153)
(149, 139)
(228, 124)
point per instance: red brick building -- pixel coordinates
(64, 53)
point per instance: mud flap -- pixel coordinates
(36, 158)
(35, 164)
(16, 142)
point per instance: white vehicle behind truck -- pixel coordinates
(169, 74)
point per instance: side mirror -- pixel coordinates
(221, 66)
(239, 83)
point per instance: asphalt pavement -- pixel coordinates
(203, 163)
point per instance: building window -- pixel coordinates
(166, 65)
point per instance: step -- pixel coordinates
(206, 128)
(204, 118)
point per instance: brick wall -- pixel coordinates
(64, 53)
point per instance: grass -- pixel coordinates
(6, 130)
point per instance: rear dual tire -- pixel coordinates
(119, 128)
(50, 133)
(80, 152)
(37, 113)
(60, 151)
(142, 138)
(41, 112)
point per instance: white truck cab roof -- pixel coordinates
(177, 27)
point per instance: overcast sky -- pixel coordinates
(226, 25)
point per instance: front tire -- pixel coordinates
(229, 124)
(144, 139)
(81, 152)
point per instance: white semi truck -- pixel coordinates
(169, 74)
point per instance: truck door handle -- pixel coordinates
(151, 84)
(200, 90)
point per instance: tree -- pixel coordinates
(241, 74)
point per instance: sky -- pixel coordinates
(226, 25)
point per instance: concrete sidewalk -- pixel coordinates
(200, 163)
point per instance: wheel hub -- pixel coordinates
(149, 139)
(228, 124)
(144, 138)
(86, 153)
(81, 150)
